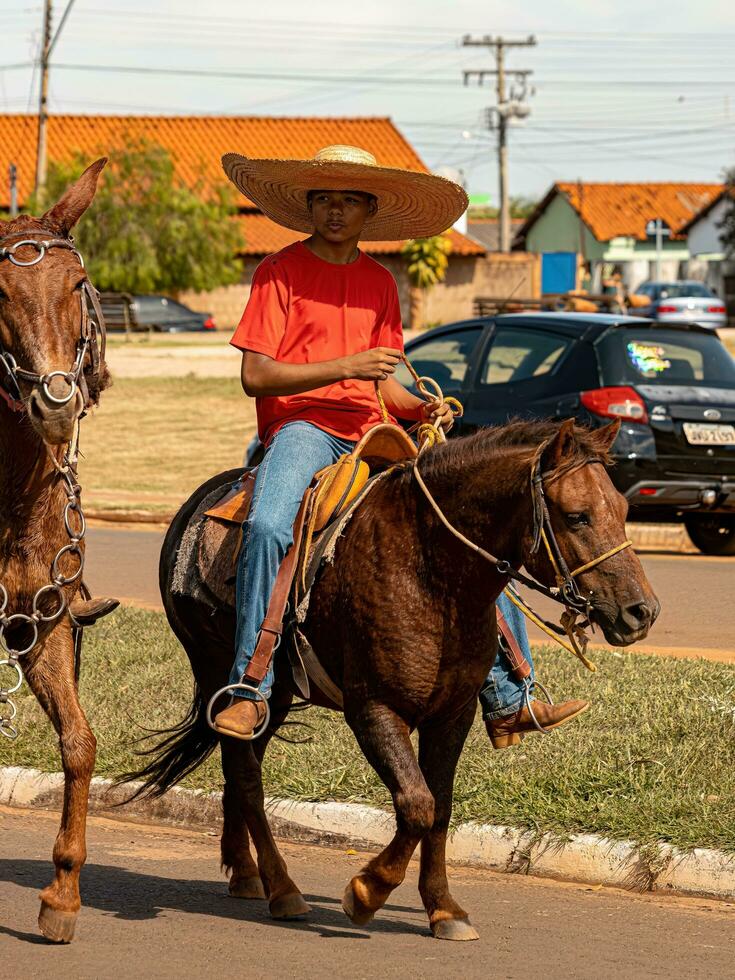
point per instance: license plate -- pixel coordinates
(709, 434)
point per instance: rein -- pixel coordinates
(73, 516)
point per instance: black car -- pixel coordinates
(152, 312)
(672, 386)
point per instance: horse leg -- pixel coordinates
(51, 678)
(384, 739)
(242, 762)
(235, 844)
(440, 746)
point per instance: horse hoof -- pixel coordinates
(353, 908)
(55, 925)
(456, 930)
(247, 888)
(290, 906)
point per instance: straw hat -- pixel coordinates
(410, 205)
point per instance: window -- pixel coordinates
(517, 355)
(443, 358)
(683, 290)
(665, 357)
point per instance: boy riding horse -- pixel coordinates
(320, 336)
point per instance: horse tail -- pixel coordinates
(184, 747)
(187, 744)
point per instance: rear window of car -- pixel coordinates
(665, 357)
(678, 290)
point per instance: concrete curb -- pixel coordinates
(581, 857)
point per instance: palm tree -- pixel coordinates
(427, 265)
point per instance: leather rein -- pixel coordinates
(92, 334)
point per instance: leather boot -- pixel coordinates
(509, 730)
(240, 718)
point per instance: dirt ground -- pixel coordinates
(156, 906)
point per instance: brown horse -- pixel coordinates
(403, 621)
(51, 370)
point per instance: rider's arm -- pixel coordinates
(264, 376)
(401, 402)
(404, 405)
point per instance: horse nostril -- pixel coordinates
(637, 614)
(36, 406)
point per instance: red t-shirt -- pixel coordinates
(303, 309)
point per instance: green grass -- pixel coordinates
(154, 440)
(652, 760)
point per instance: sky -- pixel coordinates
(624, 91)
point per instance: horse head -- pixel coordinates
(587, 520)
(46, 363)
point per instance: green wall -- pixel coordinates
(559, 229)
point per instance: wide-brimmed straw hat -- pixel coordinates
(410, 204)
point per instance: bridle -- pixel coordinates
(91, 342)
(92, 335)
(566, 592)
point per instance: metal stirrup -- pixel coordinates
(258, 731)
(527, 699)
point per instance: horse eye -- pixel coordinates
(578, 519)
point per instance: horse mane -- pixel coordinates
(488, 443)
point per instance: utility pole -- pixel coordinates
(41, 160)
(504, 111)
(13, 185)
(47, 47)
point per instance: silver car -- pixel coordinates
(686, 301)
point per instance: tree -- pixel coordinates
(727, 225)
(148, 232)
(427, 265)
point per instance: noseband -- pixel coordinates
(90, 341)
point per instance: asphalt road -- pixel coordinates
(697, 593)
(156, 906)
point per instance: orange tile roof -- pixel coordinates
(261, 236)
(196, 143)
(622, 210)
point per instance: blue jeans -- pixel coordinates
(502, 694)
(297, 451)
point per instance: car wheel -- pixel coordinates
(713, 534)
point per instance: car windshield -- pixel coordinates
(679, 290)
(665, 357)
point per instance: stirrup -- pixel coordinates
(527, 699)
(258, 730)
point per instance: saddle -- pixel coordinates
(329, 501)
(332, 494)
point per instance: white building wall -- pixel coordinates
(704, 236)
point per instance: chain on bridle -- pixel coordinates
(91, 332)
(91, 342)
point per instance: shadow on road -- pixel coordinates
(134, 896)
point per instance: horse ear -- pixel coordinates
(75, 200)
(604, 438)
(560, 446)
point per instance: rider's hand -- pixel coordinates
(438, 411)
(376, 364)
